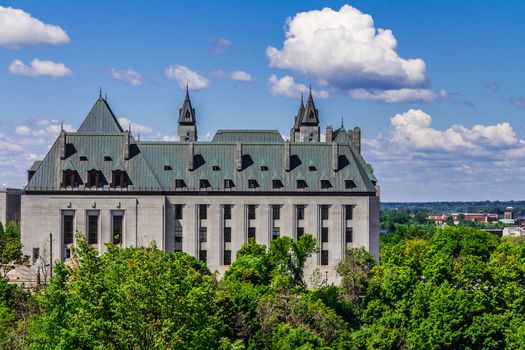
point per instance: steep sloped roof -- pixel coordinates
(100, 120)
(267, 136)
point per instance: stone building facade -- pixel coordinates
(206, 198)
(10, 205)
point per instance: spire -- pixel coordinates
(100, 92)
(342, 123)
(310, 113)
(298, 117)
(187, 112)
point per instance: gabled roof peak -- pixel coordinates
(100, 119)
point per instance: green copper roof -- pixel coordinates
(271, 136)
(100, 120)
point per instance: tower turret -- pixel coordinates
(306, 127)
(187, 129)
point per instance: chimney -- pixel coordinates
(62, 144)
(335, 156)
(356, 138)
(126, 145)
(238, 156)
(329, 134)
(287, 156)
(191, 153)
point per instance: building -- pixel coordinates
(440, 219)
(203, 198)
(10, 205)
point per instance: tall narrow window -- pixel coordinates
(276, 212)
(178, 211)
(324, 212)
(227, 259)
(227, 211)
(68, 226)
(203, 256)
(203, 211)
(227, 234)
(94, 178)
(251, 212)
(69, 178)
(324, 234)
(203, 234)
(117, 231)
(349, 235)
(119, 179)
(251, 232)
(300, 232)
(324, 257)
(300, 212)
(178, 233)
(349, 212)
(276, 232)
(92, 228)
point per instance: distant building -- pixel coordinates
(206, 198)
(440, 219)
(514, 231)
(509, 213)
(10, 205)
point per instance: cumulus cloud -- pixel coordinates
(128, 76)
(345, 49)
(287, 87)
(238, 75)
(18, 28)
(416, 161)
(219, 44)
(39, 68)
(185, 75)
(399, 95)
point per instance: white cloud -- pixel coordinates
(238, 75)
(518, 101)
(39, 68)
(219, 44)
(185, 75)
(19, 28)
(287, 87)
(415, 161)
(399, 95)
(344, 49)
(128, 76)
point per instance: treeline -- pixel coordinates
(497, 207)
(451, 288)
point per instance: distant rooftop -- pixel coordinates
(261, 136)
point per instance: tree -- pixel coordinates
(10, 249)
(355, 270)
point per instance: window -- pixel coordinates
(350, 184)
(94, 178)
(168, 167)
(227, 211)
(277, 184)
(349, 235)
(264, 168)
(300, 212)
(203, 183)
(203, 211)
(178, 233)
(203, 255)
(276, 212)
(107, 158)
(251, 212)
(326, 184)
(227, 260)
(203, 234)
(324, 257)
(83, 159)
(300, 232)
(179, 183)
(92, 228)
(227, 234)
(251, 232)
(312, 168)
(276, 232)
(68, 227)
(324, 212)
(36, 254)
(228, 183)
(178, 211)
(118, 228)
(253, 184)
(69, 178)
(349, 212)
(324, 234)
(119, 179)
(216, 168)
(301, 184)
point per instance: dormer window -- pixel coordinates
(69, 178)
(179, 183)
(228, 183)
(264, 168)
(301, 184)
(94, 178)
(204, 183)
(253, 183)
(326, 184)
(119, 179)
(277, 184)
(167, 167)
(83, 159)
(312, 168)
(107, 158)
(216, 168)
(349, 184)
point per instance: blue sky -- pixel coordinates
(442, 112)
